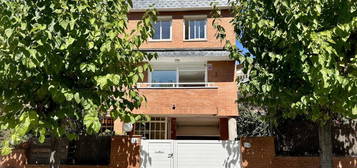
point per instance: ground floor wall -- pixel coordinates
(259, 152)
(125, 153)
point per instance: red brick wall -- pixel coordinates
(313, 162)
(223, 128)
(67, 166)
(124, 154)
(178, 32)
(17, 159)
(222, 71)
(219, 101)
(262, 155)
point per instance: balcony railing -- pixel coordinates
(177, 85)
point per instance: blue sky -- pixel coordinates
(240, 46)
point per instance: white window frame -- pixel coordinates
(163, 18)
(178, 69)
(151, 130)
(194, 17)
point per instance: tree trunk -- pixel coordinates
(54, 157)
(325, 139)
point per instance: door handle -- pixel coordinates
(170, 155)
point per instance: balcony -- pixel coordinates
(209, 99)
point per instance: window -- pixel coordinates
(163, 76)
(107, 125)
(162, 29)
(156, 128)
(195, 29)
(190, 78)
(178, 75)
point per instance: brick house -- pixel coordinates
(191, 95)
(191, 91)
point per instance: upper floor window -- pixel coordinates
(162, 29)
(178, 75)
(195, 28)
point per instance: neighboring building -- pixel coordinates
(191, 92)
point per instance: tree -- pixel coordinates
(252, 122)
(64, 62)
(302, 60)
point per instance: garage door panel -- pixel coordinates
(193, 154)
(207, 154)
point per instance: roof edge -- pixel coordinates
(182, 49)
(179, 9)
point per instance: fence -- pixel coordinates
(260, 153)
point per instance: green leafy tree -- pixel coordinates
(302, 60)
(64, 62)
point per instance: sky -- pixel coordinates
(240, 46)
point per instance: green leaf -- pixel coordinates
(64, 24)
(42, 136)
(6, 149)
(77, 98)
(135, 78)
(68, 96)
(8, 32)
(91, 121)
(354, 110)
(90, 45)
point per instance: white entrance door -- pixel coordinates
(190, 154)
(157, 154)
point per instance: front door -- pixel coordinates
(157, 154)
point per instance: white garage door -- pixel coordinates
(190, 154)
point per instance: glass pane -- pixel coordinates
(166, 28)
(192, 29)
(197, 27)
(156, 31)
(201, 25)
(163, 76)
(186, 29)
(192, 77)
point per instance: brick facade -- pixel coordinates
(221, 71)
(220, 101)
(177, 40)
(124, 154)
(262, 155)
(223, 128)
(17, 159)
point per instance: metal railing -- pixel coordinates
(177, 85)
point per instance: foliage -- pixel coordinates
(304, 59)
(67, 62)
(251, 122)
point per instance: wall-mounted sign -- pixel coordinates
(209, 67)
